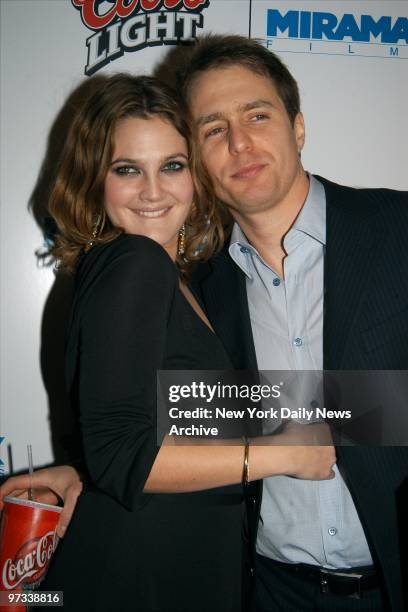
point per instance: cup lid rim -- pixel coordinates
(34, 504)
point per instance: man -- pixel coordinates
(331, 545)
(264, 296)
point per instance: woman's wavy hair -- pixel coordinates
(77, 197)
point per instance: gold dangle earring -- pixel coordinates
(96, 229)
(181, 244)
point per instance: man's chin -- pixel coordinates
(249, 206)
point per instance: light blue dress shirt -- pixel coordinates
(312, 522)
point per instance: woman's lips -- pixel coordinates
(248, 171)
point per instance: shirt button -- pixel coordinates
(276, 282)
(298, 342)
(332, 531)
(244, 249)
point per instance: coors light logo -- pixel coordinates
(129, 25)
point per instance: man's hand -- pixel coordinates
(306, 451)
(50, 486)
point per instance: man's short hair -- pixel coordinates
(219, 51)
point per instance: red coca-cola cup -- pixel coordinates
(27, 541)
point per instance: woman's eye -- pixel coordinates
(125, 170)
(174, 166)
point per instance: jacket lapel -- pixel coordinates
(221, 288)
(352, 243)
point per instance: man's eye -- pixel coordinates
(174, 166)
(214, 132)
(125, 170)
(259, 117)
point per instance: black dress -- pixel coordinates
(124, 549)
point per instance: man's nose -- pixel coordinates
(239, 140)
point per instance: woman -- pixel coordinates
(159, 530)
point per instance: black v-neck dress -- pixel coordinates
(125, 550)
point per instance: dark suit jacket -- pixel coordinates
(365, 327)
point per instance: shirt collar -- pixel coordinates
(312, 217)
(239, 249)
(311, 221)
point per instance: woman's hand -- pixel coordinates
(50, 486)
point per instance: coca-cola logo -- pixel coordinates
(123, 26)
(30, 562)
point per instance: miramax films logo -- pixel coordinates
(123, 26)
(337, 34)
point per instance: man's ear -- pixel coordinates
(300, 131)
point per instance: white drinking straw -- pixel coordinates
(30, 470)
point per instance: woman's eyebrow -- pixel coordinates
(126, 160)
(173, 155)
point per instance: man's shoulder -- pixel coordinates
(388, 205)
(363, 196)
